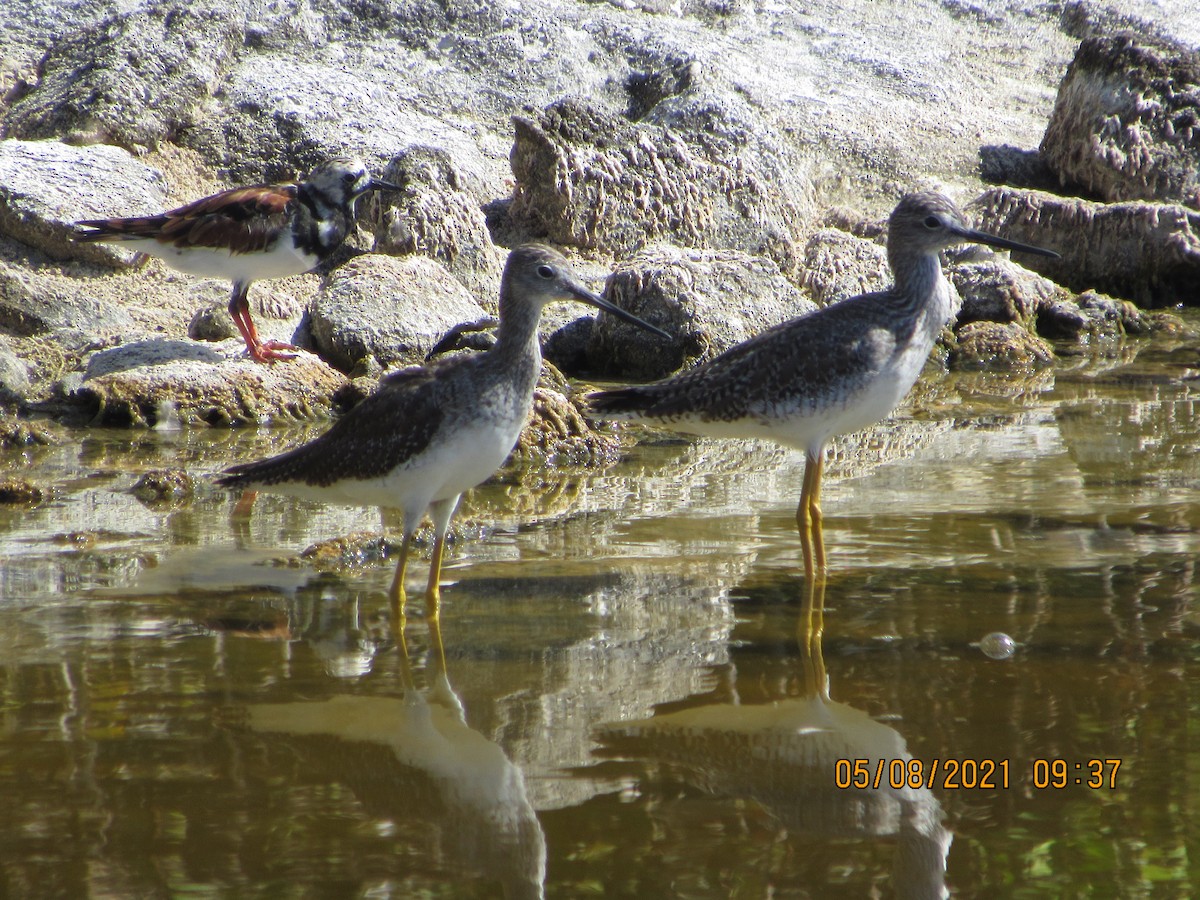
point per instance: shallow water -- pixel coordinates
(633, 702)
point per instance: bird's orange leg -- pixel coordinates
(239, 309)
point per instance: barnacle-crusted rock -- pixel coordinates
(695, 174)
(134, 80)
(1145, 252)
(146, 382)
(436, 216)
(1126, 124)
(991, 345)
(708, 300)
(838, 264)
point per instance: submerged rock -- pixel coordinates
(1145, 252)
(1126, 124)
(164, 487)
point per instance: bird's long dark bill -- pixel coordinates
(377, 185)
(992, 240)
(579, 293)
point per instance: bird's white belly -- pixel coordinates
(444, 470)
(279, 261)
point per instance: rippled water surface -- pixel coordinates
(634, 700)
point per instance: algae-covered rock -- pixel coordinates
(153, 382)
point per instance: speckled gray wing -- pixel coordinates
(384, 431)
(809, 362)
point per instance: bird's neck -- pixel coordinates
(326, 223)
(919, 282)
(517, 338)
(923, 291)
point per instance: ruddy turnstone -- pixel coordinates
(248, 233)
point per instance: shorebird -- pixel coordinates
(248, 233)
(835, 370)
(430, 433)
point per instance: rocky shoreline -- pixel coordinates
(725, 166)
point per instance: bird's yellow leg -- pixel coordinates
(816, 464)
(433, 597)
(396, 593)
(804, 515)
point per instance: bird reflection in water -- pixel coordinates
(416, 758)
(783, 756)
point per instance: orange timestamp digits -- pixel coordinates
(970, 774)
(1058, 773)
(951, 774)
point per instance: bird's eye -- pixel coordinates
(932, 222)
(545, 271)
(349, 178)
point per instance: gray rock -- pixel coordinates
(434, 216)
(45, 186)
(1145, 252)
(1126, 124)
(134, 79)
(145, 382)
(698, 177)
(994, 289)
(272, 117)
(393, 309)
(37, 303)
(708, 299)
(14, 375)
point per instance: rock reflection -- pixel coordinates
(784, 756)
(416, 761)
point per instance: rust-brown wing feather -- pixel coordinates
(241, 220)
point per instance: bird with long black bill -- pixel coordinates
(430, 433)
(836, 370)
(248, 233)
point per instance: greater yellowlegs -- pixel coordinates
(263, 231)
(430, 433)
(836, 370)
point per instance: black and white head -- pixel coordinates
(342, 180)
